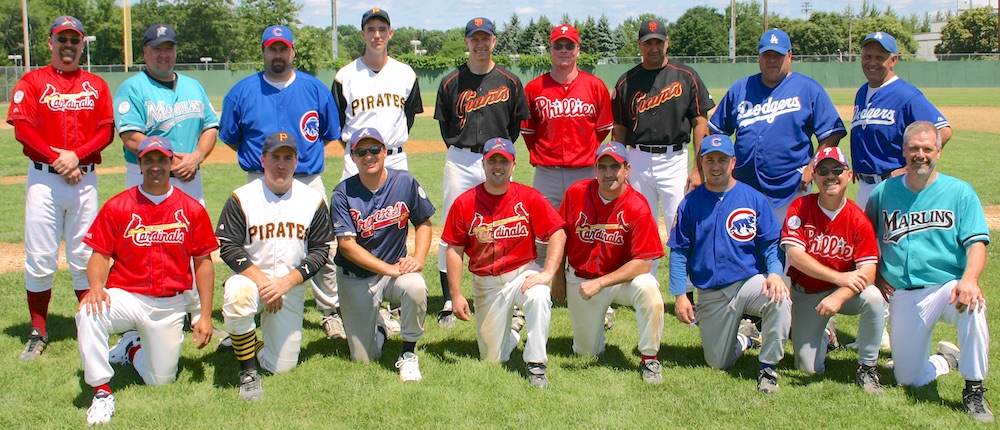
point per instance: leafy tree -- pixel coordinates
(312, 49)
(701, 31)
(749, 26)
(974, 30)
(508, 37)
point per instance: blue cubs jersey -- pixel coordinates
(877, 125)
(378, 219)
(774, 129)
(723, 235)
(253, 109)
(922, 237)
(180, 114)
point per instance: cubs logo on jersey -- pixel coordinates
(741, 224)
(507, 228)
(145, 235)
(397, 214)
(309, 126)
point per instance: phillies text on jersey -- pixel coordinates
(568, 121)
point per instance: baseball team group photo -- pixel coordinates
(495, 249)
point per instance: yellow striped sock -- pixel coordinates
(245, 345)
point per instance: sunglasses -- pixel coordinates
(72, 40)
(567, 46)
(823, 171)
(373, 150)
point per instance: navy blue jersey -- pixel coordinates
(378, 219)
(723, 234)
(253, 109)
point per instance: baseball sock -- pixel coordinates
(648, 357)
(245, 347)
(38, 307)
(103, 387)
(445, 291)
(972, 384)
(408, 347)
(768, 366)
(80, 294)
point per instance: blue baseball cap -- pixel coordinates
(277, 33)
(774, 40)
(499, 146)
(66, 22)
(614, 150)
(479, 24)
(156, 143)
(717, 143)
(159, 33)
(885, 39)
(366, 133)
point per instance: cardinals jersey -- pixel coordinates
(378, 219)
(567, 121)
(151, 244)
(66, 108)
(601, 237)
(499, 232)
(841, 243)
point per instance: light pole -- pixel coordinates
(16, 58)
(89, 39)
(415, 44)
(206, 60)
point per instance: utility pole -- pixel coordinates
(333, 31)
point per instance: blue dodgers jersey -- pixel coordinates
(922, 237)
(877, 126)
(721, 234)
(181, 114)
(253, 109)
(378, 220)
(774, 129)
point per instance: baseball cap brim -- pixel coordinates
(653, 36)
(505, 154)
(776, 48)
(159, 149)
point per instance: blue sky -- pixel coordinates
(443, 15)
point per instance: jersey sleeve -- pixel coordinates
(826, 119)
(423, 209)
(919, 108)
(129, 112)
(231, 233)
(520, 109)
(971, 219)
(605, 120)
(317, 242)
(24, 102)
(211, 118)
(619, 106)
(340, 212)
(329, 116)
(529, 126)
(791, 234)
(101, 236)
(547, 221)
(229, 123)
(337, 89)
(865, 246)
(646, 237)
(456, 226)
(414, 104)
(721, 121)
(681, 231)
(702, 102)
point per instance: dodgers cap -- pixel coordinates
(774, 40)
(885, 39)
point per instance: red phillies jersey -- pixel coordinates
(843, 243)
(152, 244)
(568, 121)
(498, 232)
(66, 108)
(601, 237)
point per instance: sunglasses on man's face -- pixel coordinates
(823, 171)
(72, 40)
(567, 46)
(373, 150)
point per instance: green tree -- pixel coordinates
(508, 36)
(887, 24)
(974, 30)
(628, 32)
(253, 16)
(607, 41)
(312, 49)
(749, 26)
(588, 36)
(701, 31)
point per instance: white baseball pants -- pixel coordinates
(281, 331)
(494, 301)
(587, 316)
(463, 170)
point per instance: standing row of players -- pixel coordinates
(276, 128)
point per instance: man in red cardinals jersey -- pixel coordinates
(153, 232)
(612, 240)
(832, 251)
(62, 115)
(496, 224)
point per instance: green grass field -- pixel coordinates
(458, 390)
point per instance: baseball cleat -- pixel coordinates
(446, 318)
(334, 326)
(976, 405)
(409, 367)
(867, 378)
(119, 353)
(651, 371)
(767, 380)
(250, 386)
(536, 375)
(517, 321)
(609, 319)
(391, 324)
(224, 340)
(950, 352)
(831, 334)
(36, 345)
(752, 333)
(101, 408)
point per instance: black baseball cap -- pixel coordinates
(479, 24)
(375, 13)
(652, 29)
(278, 140)
(159, 33)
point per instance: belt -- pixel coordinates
(477, 149)
(872, 179)
(659, 149)
(391, 151)
(45, 167)
(352, 274)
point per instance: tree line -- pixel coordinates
(229, 32)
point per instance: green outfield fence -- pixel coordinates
(832, 73)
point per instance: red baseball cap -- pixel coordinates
(831, 153)
(564, 31)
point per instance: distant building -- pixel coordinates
(928, 40)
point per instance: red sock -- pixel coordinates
(38, 307)
(80, 294)
(103, 387)
(648, 357)
(132, 352)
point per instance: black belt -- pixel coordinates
(477, 149)
(86, 168)
(871, 179)
(391, 151)
(353, 274)
(659, 149)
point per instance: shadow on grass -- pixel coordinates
(59, 328)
